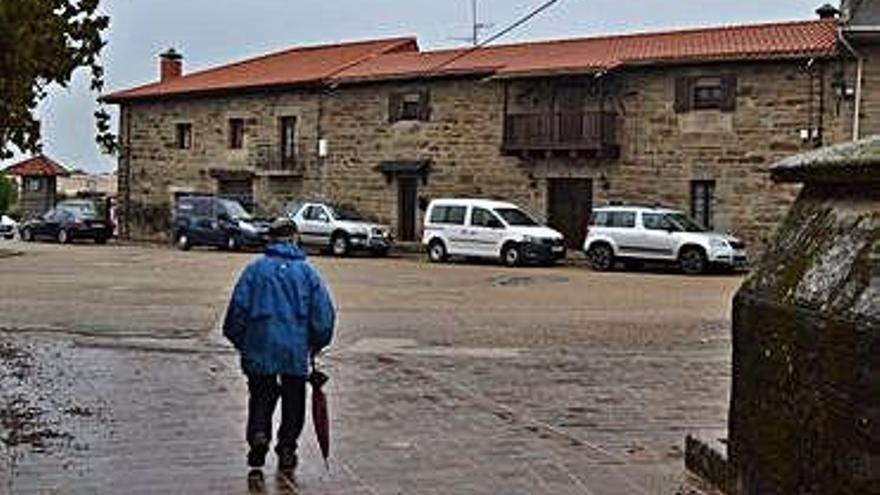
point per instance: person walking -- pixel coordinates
(280, 316)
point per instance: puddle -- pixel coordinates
(413, 347)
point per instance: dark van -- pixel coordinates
(216, 222)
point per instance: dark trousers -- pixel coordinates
(264, 391)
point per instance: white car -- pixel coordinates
(339, 229)
(8, 227)
(488, 229)
(658, 234)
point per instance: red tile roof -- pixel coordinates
(401, 59)
(753, 42)
(37, 166)
(290, 67)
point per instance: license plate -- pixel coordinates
(97, 225)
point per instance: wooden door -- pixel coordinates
(569, 207)
(407, 207)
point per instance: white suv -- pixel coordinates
(488, 229)
(641, 233)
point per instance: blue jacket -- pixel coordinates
(280, 312)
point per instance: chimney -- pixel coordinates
(170, 65)
(827, 11)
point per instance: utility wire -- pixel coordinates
(528, 17)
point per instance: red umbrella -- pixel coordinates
(320, 416)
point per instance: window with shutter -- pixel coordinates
(705, 93)
(411, 105)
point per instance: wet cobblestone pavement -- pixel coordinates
(464, 411)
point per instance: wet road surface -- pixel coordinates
(445, 379)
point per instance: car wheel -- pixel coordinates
(27, 235)
(339, 245)
(692, 261)
(437, 251)
(601, 257)
(182, 242)
(511, 255)
(63, 236)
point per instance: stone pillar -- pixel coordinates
(805, 404)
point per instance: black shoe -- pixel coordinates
(287, 461)
(259, 449)
(256, 483)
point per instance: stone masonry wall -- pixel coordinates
(661, 151)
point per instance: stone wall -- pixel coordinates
(661, 151)
(806, 374)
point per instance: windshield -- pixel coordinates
(235, 210)
(79, 207)
(684, 223)
(346, 214)
(515, 217)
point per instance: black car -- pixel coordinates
(66, 225)
(217, 222)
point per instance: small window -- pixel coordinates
(707, 93)
(33, 184)
(655, 221)
(413, 105)
(288, 139)
(236, 134)
(183, 136)
(453, 215)
(481, 217)
(702, 202)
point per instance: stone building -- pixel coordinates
(37, 179)
(690, 119)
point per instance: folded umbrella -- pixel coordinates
(320, 416)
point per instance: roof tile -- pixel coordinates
(401, 59)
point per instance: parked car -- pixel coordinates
(203, 220)
(488, 229)
(64, 225)
(339, 229)
(635, 233)
(8, 227)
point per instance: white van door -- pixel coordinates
(485, 233)
(447, 222)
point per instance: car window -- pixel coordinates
(516, 217)
(315, 213)
(619, 219)
(481, 217)
(656, 221)
(453, 215)
(346, 213)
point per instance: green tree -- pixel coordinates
(43, 42)
(8, 193)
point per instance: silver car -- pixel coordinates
(339, 229)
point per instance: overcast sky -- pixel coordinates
(212, 32)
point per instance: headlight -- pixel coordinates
(718, 244)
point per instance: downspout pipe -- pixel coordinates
(860, 68)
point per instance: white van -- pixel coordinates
(488, 229)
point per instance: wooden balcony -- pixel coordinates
(590, 133)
